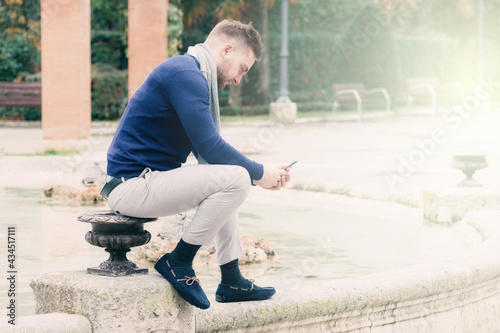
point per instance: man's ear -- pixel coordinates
(226, 50)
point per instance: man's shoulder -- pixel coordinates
(179, 63)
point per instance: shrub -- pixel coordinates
(109, 47)
(18, 57)
(109, 92)
(244, 111)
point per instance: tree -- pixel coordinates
(251, 11)
(459, 20)
(254, 11)
(19, 39)
(369, 51)
(257, 81)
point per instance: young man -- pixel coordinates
(176, 112)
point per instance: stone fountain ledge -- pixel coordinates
(458, 295)
(49, 323)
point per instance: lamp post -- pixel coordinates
(283, 110)
(480, 38)
(485, 101)
(284, 93)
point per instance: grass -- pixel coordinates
(313, 114)
(50, 152)
(244, 118)
(304, 114)
(104, 134)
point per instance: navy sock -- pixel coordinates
(231, 274)
(182, 256)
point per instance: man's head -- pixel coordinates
(235, 46)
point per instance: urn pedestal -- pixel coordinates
(469, 164)
(117, 234)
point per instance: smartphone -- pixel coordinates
(290, 165)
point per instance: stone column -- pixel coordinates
(147, 39)
(66, 85)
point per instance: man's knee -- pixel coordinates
(232, 177)
(240, 176)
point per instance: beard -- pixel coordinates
(222, 75)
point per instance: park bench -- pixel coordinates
(424, 88)
(357, 94)
(20, 94)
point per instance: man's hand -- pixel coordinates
(274, 178)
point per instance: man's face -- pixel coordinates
(233, 65)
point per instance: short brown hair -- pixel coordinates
(241, 32)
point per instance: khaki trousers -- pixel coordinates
(216, 190)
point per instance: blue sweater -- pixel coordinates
(166, 119)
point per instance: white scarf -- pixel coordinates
(209, 70)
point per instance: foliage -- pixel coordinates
(175, 29)
(109, 33)
(109, 47)
(109, 21)
(19, 49)
(244, 111)
(109, 15)
(430, 56)
(109, 92)
(314, 30)
(20, 113)
(401, 11)
(424, 38)
(198, 22)
(18, 57)
(457, 22)
(19, 38)
(369, 52)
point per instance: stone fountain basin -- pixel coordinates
(456, 287)
(460, 294)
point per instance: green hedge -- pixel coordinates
(324, 49)
(20, 113)
(244, 111)
(429, 56)
(109, 47)
(18, 57)
(258, 110)
(109, 92)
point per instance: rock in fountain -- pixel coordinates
(69, 195)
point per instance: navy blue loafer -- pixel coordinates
(188, 286)
(228, 293)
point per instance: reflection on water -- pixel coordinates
(315, 239)
(49, 238)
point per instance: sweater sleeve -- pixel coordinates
(189, 96)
